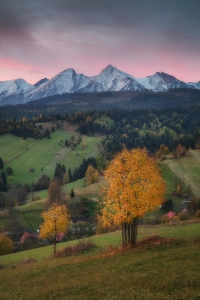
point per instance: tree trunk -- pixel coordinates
(129, 233)
(54, 244)
(123, 241)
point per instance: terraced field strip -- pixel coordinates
(29, 159)
(188, 171)
(12, 146)
(196, 156)
(31, 164)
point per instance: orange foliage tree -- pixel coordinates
(91, 175)
(56, 220)
(134, 187)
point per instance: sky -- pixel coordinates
(40, 38)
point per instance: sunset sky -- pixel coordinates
(40, 38)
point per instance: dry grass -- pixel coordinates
(24, 262)
(79, 248)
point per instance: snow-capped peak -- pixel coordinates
(195, 85)
(68, 81)
(16, 86)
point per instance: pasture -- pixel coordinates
(187, 169)
(29, 158)
(165, 271)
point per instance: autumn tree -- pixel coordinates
(6, 245)
(54, 192)
(91, 175)
(65, 178)
(56, 220)
(84, 144)
(163, 151)
(180, 150)
(134, 187)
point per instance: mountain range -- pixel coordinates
(19, 91)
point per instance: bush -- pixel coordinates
(183, 216)
(152, 220)
(6, 245)
(164, 219)
(77, 249)
(197, 215)
(175, 219)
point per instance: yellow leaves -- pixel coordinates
(84, 144)
(135, 186)
(91, 175)
(56, 219)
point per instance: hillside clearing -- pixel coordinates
(187, 169)
(29, 159)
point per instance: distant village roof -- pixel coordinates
(171, 214)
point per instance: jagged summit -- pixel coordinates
(68, 81)
(41, 81)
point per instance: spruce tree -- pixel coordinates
(1, 163)
(72, 194)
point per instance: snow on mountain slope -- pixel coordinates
(112, 79)
(41, 81)
(161, 81)
(68, 81)
(12, 91)
(65, 82)
(195, 85)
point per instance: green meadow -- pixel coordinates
(187, 169)
(160, 271)
(163, 271)
(29, 158)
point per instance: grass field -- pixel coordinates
(188, 170)
(168, 177)
(42, 156)
(162, 272)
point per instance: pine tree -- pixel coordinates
(1, 163)
(72, 194)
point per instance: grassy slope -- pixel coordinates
(188, 170)
(168, 177)
(42, 156)
(166, 272)
(106, 240)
